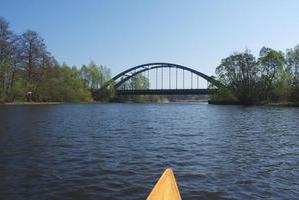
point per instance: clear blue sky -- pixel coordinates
(125, 33)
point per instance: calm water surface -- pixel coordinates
(118, 151)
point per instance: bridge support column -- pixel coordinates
(176, 78)
(183, 79)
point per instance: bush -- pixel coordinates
(17, 92)
(224, 96)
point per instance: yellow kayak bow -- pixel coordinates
(166, 188)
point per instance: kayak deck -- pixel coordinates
(166, 188)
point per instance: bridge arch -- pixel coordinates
(124, 76)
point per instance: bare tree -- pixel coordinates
(33, 54)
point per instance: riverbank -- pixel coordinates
(51, 103)
(282, 104)
(289, 104)
(276, 104)
(32, 103)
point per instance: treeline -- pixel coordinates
(273, 77)
(27, 67)
(136, 82)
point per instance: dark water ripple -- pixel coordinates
(118, 151)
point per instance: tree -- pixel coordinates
(33, 54)
(26, 65)
(271, 64)
(283, 86)
(84, 73)
(96, 76)
(292, 58)
(8, 44)
(62, 84)
(92, 76)
(240, 73)
(139, 82)
(106, 72)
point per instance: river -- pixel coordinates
(118, 151)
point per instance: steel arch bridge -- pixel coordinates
(120, 79)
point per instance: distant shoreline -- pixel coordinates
(32, 103)
(284, 104)
(49, 103)
(287, 104)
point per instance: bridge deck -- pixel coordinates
(167, 92)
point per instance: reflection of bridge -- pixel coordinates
(174, 84)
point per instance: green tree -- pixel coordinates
(96, 76)
(271, 64)
(62, 84)
(18, 91)
(84, 73)
(139, 82)
(92, 76)
(283, 86)
(240, 73)
(292, 58)
(106, 72)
